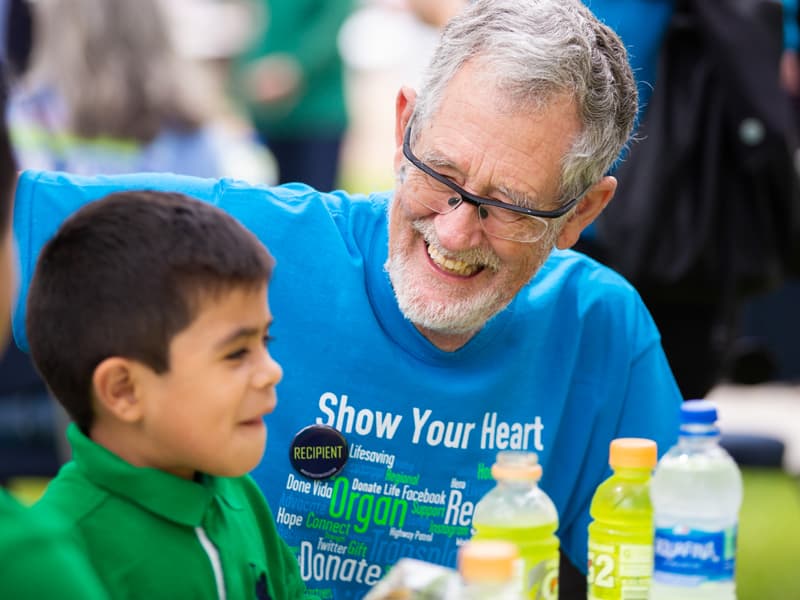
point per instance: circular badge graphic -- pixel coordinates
(318, 451)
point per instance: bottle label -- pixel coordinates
(541, 580)
(690, 557)
(619, 571)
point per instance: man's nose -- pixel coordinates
(460, 228)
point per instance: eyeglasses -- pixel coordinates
(498, 219)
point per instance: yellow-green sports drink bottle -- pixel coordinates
(516, 510)
(621, 534)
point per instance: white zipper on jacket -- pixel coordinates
(213, 557)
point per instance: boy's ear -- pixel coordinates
(114, 384)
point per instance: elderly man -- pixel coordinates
(423, 331)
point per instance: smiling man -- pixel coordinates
(477, 260)
(431, 327)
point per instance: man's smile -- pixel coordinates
(452, 266)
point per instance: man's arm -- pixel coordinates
(651, 409)
(43, 200)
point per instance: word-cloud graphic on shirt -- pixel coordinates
(409, 488)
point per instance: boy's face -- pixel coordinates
(206, 412)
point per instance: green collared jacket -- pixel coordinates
(150, 534)
(38, 559)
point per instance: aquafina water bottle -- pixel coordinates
(696, 493)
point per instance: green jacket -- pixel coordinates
(150, 534)
(38, 559)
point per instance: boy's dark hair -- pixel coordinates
(122, 277)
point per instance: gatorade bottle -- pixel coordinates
(518, 511)
(696, 492)
(490, 570)
(621, 535)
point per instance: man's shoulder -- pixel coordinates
(298, 200)
(575, 288)
(573, 271)
(301, 192)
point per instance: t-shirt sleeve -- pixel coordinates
(610, 376)
(43, 200)
(650, 410)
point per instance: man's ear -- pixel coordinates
(403, 108)
(591, 205)
(114, 383)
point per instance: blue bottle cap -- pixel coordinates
(698, 411)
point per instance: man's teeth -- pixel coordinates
(457, 267)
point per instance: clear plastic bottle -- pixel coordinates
(516, 510)
(490, 570)
(621, 534)
(697, 493)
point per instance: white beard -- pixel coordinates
(457, 316)
(461, 316)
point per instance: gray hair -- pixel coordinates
(533, 51)
(113, 65)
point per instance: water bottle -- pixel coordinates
(696, 492)
(621, 534)
(489, 570)
(516, 510)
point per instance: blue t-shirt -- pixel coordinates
(791, 33)
(641, 24)
(573, 362)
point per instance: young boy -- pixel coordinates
(148, 319)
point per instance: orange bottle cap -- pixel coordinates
(516, 464)
(487, 560)
(635, 453)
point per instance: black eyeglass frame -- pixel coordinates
(479, 201)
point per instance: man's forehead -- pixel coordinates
(519, 153)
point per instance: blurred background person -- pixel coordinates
(105, 90)
(111, 95)
(291, 80)
(642, 25)
(790, 60)
(27, 444)
(38, 559)
(435, 13)
(707, 198)
(15, 35)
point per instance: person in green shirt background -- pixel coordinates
(148, 319)
(291, 81)
(38, 559)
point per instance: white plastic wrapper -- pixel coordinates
(412, 579)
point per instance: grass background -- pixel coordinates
(768, 556)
